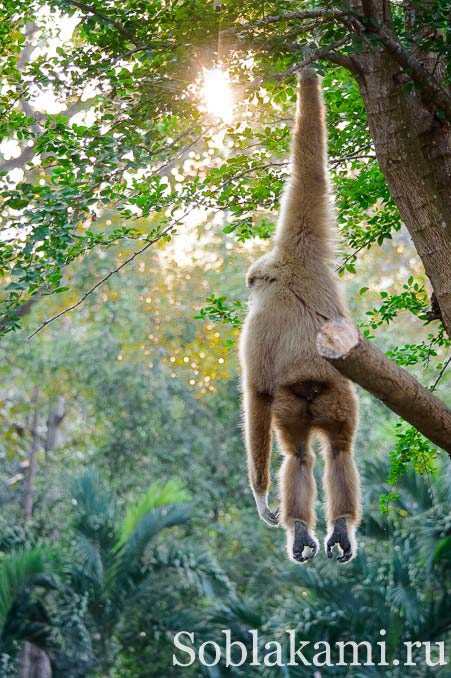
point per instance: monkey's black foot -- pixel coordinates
(271, 518)
(341, 538)
(303, 540)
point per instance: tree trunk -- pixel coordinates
(361, 361)
(32, 460)
(33, 662)
(413, 148)
(54, 419)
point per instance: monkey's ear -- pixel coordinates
(250, 281)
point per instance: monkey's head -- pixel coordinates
(263, 272)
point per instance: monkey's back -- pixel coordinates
(278, 342)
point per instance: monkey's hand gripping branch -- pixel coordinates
(271, 518)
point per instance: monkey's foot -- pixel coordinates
(303, 540)
(271, 518)
(342, 537)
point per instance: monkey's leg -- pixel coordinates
(257, 416)
(298, 492)
(342, 490)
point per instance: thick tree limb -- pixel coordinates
(21, 160)
(361, 361)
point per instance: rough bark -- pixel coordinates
(413, 148)
(361, 361)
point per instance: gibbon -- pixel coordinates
(287, 387)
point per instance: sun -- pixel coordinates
(217, 94)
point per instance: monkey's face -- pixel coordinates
(262, 273)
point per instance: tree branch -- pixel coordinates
(286, 16)
(109, 275)
(322, 14)
(129, 35)
(441, 373)
(98, 284)
(415, 68)
(26, 155)
(317, 55)
(355, 155)
(334, 162)
(342, 345)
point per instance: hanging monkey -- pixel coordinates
(287, 386)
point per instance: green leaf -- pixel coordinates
(157, 495)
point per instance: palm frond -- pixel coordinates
(436, 620)
(18, 569)
(90, 498)
(89, 557)
(28, 617)
(443, 550)
(126, 572)
(442, 483)
(403, 593)
(95, 517)
(198, 567)
(149, 526)
(173, 492)
(238, 616)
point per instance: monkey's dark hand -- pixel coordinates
(303, 540)
(340, 537)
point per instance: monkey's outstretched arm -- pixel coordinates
(309, 144)
(257, 420)
(307, 215)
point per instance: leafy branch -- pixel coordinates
(105, 18)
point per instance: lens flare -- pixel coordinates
(217, 94)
